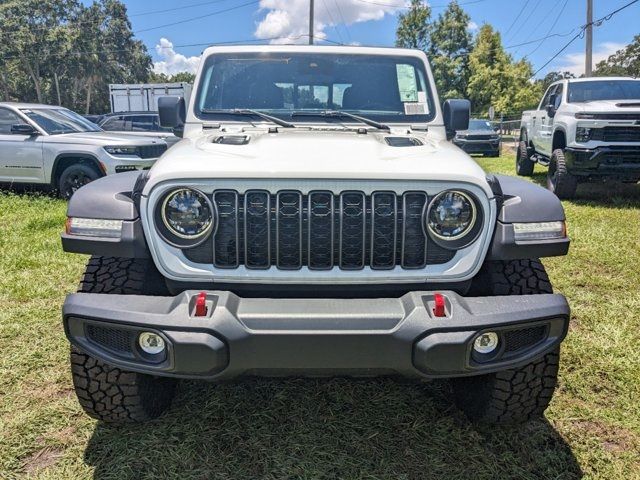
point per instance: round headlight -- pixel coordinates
(451, 215)
(187, 213)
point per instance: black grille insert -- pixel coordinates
(113, 339)
(321, 231)
(515, 340)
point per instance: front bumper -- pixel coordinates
(315, 337)
(618, 161)
(478, 146)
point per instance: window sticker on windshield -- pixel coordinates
(415, 108)
(407, 84)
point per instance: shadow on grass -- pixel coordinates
(337, 428)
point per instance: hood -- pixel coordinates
(102, 139)
(308, 154)
(610, 106)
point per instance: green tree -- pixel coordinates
(552, 77)
(413, 26)
(449, 51)
(496, 80)
(187, 77)
(623, 63)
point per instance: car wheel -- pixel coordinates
(519, 394)
(106, 392)
(74, 177)
(559, 180)
(524, 165)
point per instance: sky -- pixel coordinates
(176, 31)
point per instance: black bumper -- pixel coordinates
(482, 147)
(618, 161)
(312, 337)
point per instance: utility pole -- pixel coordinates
(588, 62)
(311, 22)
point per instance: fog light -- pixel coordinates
(486, 342)
(151, 343)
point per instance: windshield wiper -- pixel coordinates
(342, 113)
(248, 112)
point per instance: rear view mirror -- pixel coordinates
(172, 112)
(456, 116)
(23, 129)
(551, 108)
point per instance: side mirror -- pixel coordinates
(456, 116)
(551, 108)
(23, 129)
(172, 112)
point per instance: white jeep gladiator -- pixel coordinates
(51, 145)
(585, 129)
(315, 220)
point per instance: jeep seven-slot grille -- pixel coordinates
(320, 230)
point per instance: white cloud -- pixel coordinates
(287, 21)
(574, 62)
(173, 62)
(472, 27)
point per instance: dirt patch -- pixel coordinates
(613, 439)
(41, 459)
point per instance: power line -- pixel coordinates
(344, 23)
(550, 29)
(596, 23)
(382, 4)
(526, 20)
(333, 22)
(517, 17)
(542, 38)
(180, 22)
(183, 7)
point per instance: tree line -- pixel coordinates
(479, 68)
(63, 52)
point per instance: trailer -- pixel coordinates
(143, 97)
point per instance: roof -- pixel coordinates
(135, 112)
(336, 49)
(595, 79)
(28, 105)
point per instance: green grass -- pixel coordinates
(337, 428)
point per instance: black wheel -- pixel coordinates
(75, 176)
(109, 393)
(524, 165)
(515, 395)
(559, 180)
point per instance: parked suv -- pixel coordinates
(479, 138)
(315, 221)
(50, 145)
(585, 129)
(146, 124)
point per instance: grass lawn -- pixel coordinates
(337, 428)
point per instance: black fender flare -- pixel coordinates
(114, 197)
(56, 170)
(521, 201)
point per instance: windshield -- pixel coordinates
(479, 125)
(55, 121)
(384, 88)
(604, 90)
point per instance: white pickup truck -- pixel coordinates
(584, 130)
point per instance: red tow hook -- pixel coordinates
(438, 309)
(201, 305)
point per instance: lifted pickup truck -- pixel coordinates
(585, 129)
(314, 220)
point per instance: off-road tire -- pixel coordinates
(74, 177)
(524, 164)
(559, 180)
(520, 394)
(105, 392)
